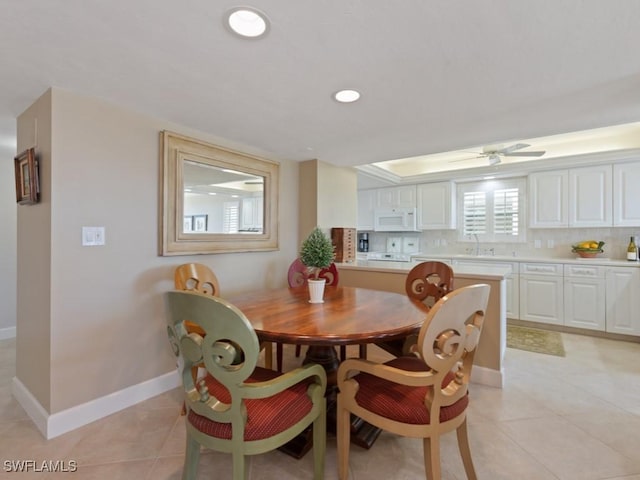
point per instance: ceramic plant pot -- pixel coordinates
(316, 290)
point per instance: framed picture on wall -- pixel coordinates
(188, 223)
(200, 223)
(27, 180)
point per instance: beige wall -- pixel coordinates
(332, 194)
(96, 313)
(33, 327)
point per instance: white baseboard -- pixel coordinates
(487, 376)
(53, 425)
(8, 332)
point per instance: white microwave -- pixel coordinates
(395, 220)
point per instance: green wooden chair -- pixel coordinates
(238, 407)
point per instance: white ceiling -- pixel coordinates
(435, 76)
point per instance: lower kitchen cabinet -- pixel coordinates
(584, 297)
(542, 293)
(623, 300)
(511, 281)
(578, 295)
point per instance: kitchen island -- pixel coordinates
(390, 276)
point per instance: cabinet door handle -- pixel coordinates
(584, 272)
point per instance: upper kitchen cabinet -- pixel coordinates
(366, 206)
(396, 197)
(436, 206)
(590, 196)
(626, 194)
(252, 214)
(578, 197)
(549, 199)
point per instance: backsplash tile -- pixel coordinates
(554, 243)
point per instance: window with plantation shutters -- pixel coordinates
(231, 217)
(475, 213)
(505, 212)
(492, 210)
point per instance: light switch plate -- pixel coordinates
(92, 236)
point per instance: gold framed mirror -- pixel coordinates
(215, 200)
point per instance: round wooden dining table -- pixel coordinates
(348, 316)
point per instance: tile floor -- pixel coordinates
(571, 418)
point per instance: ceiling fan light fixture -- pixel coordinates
(247, 22)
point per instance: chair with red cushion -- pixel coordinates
(238, 407)
(196, 277)
(427, 282)
(297, 276)
(423, 395)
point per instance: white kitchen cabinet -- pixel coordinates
(590, 196)
(252, 214)
(513, 295)
(623, 300)
(396, 197)
(584, 297)
(626, 194)
(548, 199)
(511, 281)
(366, 206)
(542, 293)
(578, 197)
(436, 206)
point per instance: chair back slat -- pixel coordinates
(449, 337)
(429, 281)
(298, 274)
(196, 277)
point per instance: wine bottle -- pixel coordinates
(632, 251)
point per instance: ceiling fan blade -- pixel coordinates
(494, 159)
(525, 154)
(512, 148)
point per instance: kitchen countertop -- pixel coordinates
(469, 271)
(602, 261)
(567, 260)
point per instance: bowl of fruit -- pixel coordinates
(588, 248)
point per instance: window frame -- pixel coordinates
(488, 188)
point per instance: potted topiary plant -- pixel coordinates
(316, 253)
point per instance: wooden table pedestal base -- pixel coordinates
(363, 434)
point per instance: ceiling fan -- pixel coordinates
(494, 154)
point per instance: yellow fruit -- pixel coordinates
(593, 245)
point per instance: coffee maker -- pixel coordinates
(363, 242)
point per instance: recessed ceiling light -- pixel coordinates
(247, 22)
(346, 96)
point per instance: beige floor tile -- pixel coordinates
(614, 427)
(567, 451)
(23, 441)
(134, 470)
(133, 434)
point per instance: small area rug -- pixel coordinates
(535, 340)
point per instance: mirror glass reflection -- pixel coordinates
(221, 201)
